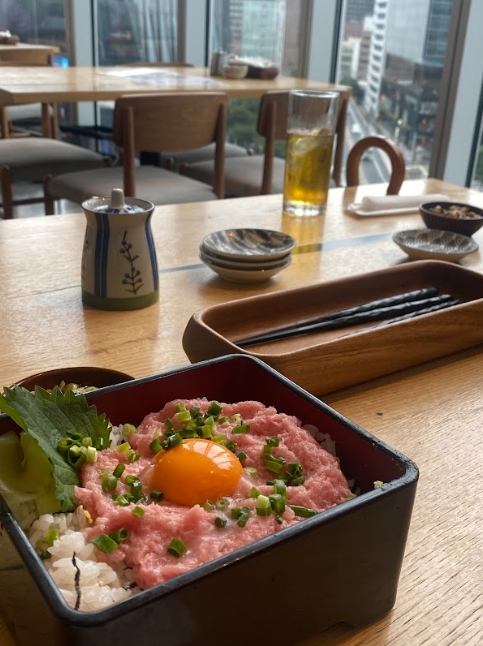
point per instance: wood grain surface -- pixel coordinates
(432, 413)
(31, 85)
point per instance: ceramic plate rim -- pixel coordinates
(427, 251)
(242, 264)
(289, 244)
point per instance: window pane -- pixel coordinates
(130, 31)
(268, 29)
(477, 181)
(39, 23)
(393, 55)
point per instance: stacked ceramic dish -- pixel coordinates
(247, 255)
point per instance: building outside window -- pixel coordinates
(397, 77)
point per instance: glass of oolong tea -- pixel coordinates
(312, 117)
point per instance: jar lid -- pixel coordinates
(118, 205)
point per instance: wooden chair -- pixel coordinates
(398, 171)
(47, 113)
(174, 160)
(153, 123)
(263, 174)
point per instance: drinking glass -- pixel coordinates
(312, 117)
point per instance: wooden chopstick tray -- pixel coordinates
(328, 360)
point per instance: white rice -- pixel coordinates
(99, 584)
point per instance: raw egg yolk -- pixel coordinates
(195, 471)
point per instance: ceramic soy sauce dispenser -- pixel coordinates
(119, 265)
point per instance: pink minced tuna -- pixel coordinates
(145, 551)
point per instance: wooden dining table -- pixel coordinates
(432, 412)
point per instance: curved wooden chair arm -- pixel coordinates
(375, 141)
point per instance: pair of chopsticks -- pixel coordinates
(388, 310)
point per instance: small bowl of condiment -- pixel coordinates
(452, 216)
(79, 379)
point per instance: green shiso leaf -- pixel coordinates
(47, 418)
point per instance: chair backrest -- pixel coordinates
(27, 56)
(180, 121)
(396, 158)
(272, 124)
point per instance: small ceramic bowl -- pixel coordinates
(248, 274)
(85, 377)
(465, 226)
(434, 245)
(249, 244)
(238, 263)
(234, 71)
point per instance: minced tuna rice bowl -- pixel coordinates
(191, 483)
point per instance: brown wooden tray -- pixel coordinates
(327, 361)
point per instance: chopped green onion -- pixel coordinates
(250, 471)
(254, 493)
(45, 556)
(129, 480)
(91, 455)
(272, 441)
(207, 505)
(182, 416)
(277, 502)
(86, 441)
(128, 430)
(241, 456)
(155, 446)
(156, 495)
(76, 456)
(51, 536)
(262, 506)
(209, 421)
(122, 448)
(109, 484)
(180, 407)
(243, 428)
(133, 456)
(104, 472)
(236, 418)
(119, 470)
(303, 512)
(195, 411)
(243, 516)
(295, 482)
(267, 448)
(124, 500)
(138, 512)
(221, 521)
(169, 424)
(222, 420)
(104, 543)
(275, 467)
(221, 504)
(214, 408)
(120, 536)
(76, 436)
(295, 469)
(280, 487)
(206, 432)
(220, 439)
(279, 519)
(231, 446)
(175, 440)
(177, 547)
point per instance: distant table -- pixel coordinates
(5, 48)
(73, 84)
(433, 412)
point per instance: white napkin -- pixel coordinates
(390, 202)
(394, 204)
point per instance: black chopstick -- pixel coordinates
(347, 321)
(427, 310)
(294, 330)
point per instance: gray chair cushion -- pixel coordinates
(243, 175)
(158, 185)
(32, 158)
(205, 153)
